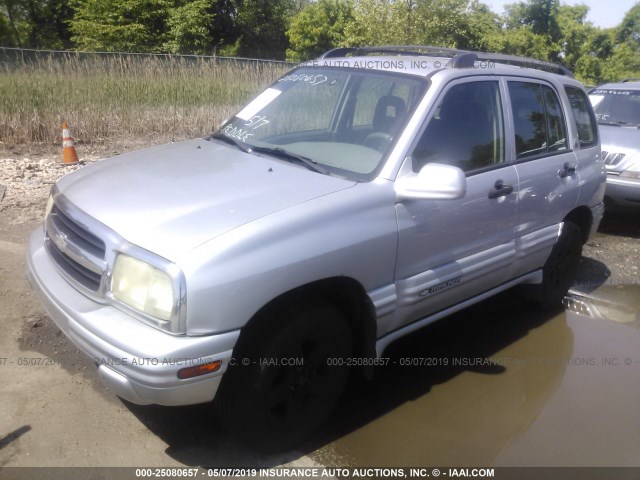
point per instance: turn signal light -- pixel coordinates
(198, 370)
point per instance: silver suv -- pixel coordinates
(359, 198)
(617, 108)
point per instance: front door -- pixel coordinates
(450, 250)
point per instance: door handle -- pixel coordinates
(568, 170)
(500, 189)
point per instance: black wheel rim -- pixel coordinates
(294, 392)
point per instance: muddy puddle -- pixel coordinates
(503, 384)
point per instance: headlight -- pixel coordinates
(143, 287)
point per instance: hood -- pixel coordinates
(620, 139)
(620, 145)
(173, 198)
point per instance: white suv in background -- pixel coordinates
(617, 108)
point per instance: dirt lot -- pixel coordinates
(56, 413)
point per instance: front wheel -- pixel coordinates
(286, 379)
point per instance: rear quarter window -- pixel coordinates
(583, 116)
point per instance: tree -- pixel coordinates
(575, 33)
(538, 20)
(370, 24)
(317, 28)
(8, 33)
(521, 41)
(629, 29)
(623, 63)
(585, 48)
(223, 29)
(174, 26)
(36, 23)
(188, 28)
(482, 26)
(419, 22)
(262, 25)
(441, 22)
(121, 25)
(625, 60)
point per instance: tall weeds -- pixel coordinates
(107, 96)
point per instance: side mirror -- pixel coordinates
(434, 181)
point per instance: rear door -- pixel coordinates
(586, 146)
(547, 169)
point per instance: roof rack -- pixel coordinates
(459, 58)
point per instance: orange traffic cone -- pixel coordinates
(69, 155)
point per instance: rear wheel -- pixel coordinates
(560, 269)
(285, 381)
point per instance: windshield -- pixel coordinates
(616, 107)
(340, 119)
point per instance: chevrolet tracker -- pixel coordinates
(342, 208)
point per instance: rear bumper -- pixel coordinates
(135, 361)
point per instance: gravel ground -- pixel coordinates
(27, 180)
(28, 172)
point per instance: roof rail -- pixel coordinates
(630, 80)
(391, 49)
(459, 58)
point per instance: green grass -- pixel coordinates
(107, 96)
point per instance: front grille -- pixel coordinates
(77, 234)
(80, 274)
(79, 253)
(612, 158)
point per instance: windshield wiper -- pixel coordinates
(221, 136)
(604, 119)
(276, 151)
(286, 155)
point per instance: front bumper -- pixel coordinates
(135, 361)
(623, 191)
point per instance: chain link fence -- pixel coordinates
(107, 94)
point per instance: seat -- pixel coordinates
(387, 119)
(390, 109)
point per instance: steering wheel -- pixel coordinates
(378, 141)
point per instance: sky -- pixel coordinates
(602, 13)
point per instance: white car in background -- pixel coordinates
(617, 109)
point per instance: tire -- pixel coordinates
(560, 269)
(271, 404)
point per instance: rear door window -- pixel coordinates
(539, 123)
